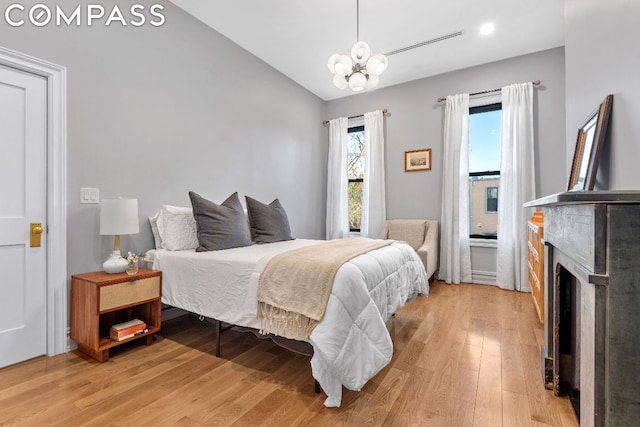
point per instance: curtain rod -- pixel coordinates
(535, 83)
(384, 112)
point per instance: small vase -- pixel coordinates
(132, 268)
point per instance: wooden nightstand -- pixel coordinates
(100, 300)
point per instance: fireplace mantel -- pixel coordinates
(593, 238)
(586, 197)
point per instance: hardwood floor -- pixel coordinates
(468, 355)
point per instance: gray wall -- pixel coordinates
(602, 58)
(416, 121)
(156, 112)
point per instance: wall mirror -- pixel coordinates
(591, 136)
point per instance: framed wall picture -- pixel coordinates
(588, 147)
(417, 160)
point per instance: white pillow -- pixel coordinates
(153, 221)
(177, 228)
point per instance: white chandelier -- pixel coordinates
(365, 69)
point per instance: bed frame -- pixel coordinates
(220, 329)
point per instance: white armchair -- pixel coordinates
(420, 234)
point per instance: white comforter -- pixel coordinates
(351, 343)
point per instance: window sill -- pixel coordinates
(483, 243)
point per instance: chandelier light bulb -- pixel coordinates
(343, 65)
(360, 52)
(331, 64)
(340, 81)
(357, 82)
(377, 64)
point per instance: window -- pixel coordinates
(355, 173)
(492, 200)
(485, 125)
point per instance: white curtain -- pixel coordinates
(374, 210)
(337, 181)
(455, 255)
(517, 186)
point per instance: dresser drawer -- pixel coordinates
(126, 293)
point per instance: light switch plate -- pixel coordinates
(89, 195)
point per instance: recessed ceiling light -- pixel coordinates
(487, 28)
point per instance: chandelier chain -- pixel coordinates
(357, 20)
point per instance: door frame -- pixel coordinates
(56, 274)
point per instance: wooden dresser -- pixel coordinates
(536, 262)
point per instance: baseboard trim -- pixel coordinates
(483, 277)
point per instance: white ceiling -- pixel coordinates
(297, 37)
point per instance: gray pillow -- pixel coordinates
(269, 223)
(219, 226)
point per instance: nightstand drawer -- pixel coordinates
(127, 293)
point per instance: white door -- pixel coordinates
(23, 192)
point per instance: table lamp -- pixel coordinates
(118, 216)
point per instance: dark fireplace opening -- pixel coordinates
(569, 337)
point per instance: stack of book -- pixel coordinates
(126, 330)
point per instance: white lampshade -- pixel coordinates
(377, 64)
(340, 81)
(119, 216)
(360, 52)
(331, 63)
(357, 82)
(343, 65)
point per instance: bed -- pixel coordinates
(219, 260)
(350, 344)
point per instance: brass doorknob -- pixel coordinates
(35, 229)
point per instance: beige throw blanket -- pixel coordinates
(294, 287)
